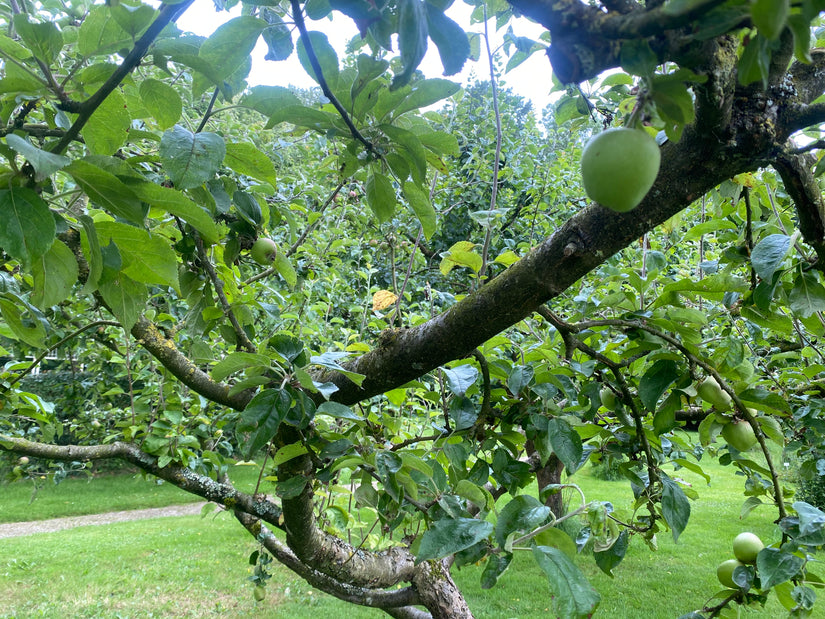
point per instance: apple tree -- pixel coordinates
(215, 241)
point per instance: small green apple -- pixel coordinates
(264, 251)
(619, 166)
(746, 546)
(23, 460)
(710, 391)
(725, 573)
(739, 434)
(608, 398)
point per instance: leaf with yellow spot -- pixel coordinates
(382, 299)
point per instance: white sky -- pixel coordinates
(531, 79)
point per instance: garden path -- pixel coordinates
(18, 529)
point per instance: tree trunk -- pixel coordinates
(550, 473)
(439, 593)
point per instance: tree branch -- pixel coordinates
(168, 13)
(298, 16)
(355, 595)
(184, 478)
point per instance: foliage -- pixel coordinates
(396, 369)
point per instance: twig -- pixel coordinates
(167, 14)
(208, 113)
(243, 340)
(298, 17)
(494, 192)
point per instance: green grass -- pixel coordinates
(197, 567)
(41, 499)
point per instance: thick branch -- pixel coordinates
(182, 477)
(331, 555)
(355, 595)
(165, 351)
(587, 41)
(802, 187)
(689, 168)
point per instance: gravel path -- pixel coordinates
(17, 529)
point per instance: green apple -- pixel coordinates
(725, 573)
(264, 251)
(739, 434)
(619, 166)
(608, 398)
(746, 546)
(23, 460)
(710, 391)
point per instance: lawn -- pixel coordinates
(197, 567)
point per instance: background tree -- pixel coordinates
(124, 198)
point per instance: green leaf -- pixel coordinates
(754, 65)
(751, 503)
(769, 254)
(566, 443)
(28, 227)
(237, 361)
(426, 93)
(134, 19)
(126, 298)
(285, 269)
(245, 158)
(496, 565)
(43, 39)
(776, 566)
(288, 452)
(277, 36)
(801, 38)
(770, 16)
(23, 328)
(381, 196)
(177, 204)
(190, 159)
(147, 258)
(226, 50)
(339, 411)
(327, 58)
(460, 378)
(450, 39)
(329, 360)
(106, 190)
(675, 506)
(261, 419)
(44, 163)
(10, 47)
(248, 207)
(637, 57)
(412, 39)
(91, 250)
(572, 596)
(519, 377)
(448, 536)
(656, 380)
(461, 254)
(523, 514)
(269, 99)
(807, 296)
(108, 128)
(610, 558)
(101, 34)
(302, 116)
(54, 274)
(162, 101)
(420, 204)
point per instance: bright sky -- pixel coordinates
(531, 79)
